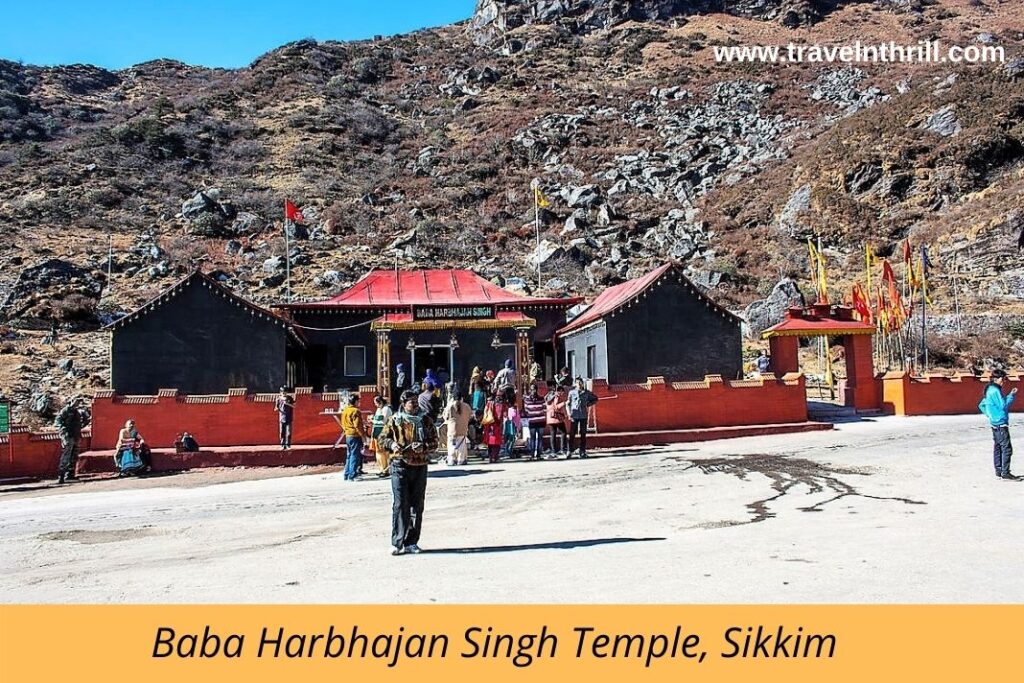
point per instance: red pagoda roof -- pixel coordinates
(401, 288)
(835, 321)
(617, 296)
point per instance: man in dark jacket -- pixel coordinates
(578, 406)
(410, 437)
(400, 385)
(429, 401)
(69, 423)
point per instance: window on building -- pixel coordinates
(355, 361)
(570, 362)
(591, 361)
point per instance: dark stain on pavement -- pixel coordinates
(785, 473)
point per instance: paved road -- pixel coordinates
(889, 510)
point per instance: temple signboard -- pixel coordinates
(431, 312)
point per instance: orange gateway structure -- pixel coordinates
(826, 320)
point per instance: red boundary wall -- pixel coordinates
(660, 405)
(27, 454)
(934, 394)
(237, 418)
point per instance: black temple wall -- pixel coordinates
(200, 343)
(671, 333)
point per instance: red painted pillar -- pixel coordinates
(862, 391)
(784, 354)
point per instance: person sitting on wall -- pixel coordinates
(131, 453)
(186, 443)
(284, 405)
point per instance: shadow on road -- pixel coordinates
(456, 471)
(553, 545)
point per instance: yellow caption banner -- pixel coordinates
(506, 643)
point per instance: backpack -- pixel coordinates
(488, 417)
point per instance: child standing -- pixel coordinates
(510, 433)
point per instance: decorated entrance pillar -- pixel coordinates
(384, 364)
(862, 391)
(784, 353)
(522, 361)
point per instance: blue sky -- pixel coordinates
(226, 33)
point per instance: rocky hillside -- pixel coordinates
(420, 149)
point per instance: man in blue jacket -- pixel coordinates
(996, 408)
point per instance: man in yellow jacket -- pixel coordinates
(352, 426)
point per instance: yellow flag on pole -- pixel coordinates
(539, 197)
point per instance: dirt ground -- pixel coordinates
(882, 510)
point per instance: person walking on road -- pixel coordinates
(410, 437)
(996, 407)
(578, 405)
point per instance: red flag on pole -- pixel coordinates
(292, 212)
(908, 254)
(887, 273)
(861, 305)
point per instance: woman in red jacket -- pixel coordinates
(493, 422)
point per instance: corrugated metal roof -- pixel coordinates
(391, 288)
(617, 296)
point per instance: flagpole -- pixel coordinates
(535, 186)
(924, 311)
(287, 263)
(956, 297)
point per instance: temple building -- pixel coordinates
(201, 338)
(658, 325)
(443, 320)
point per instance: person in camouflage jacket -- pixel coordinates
(409, 437)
